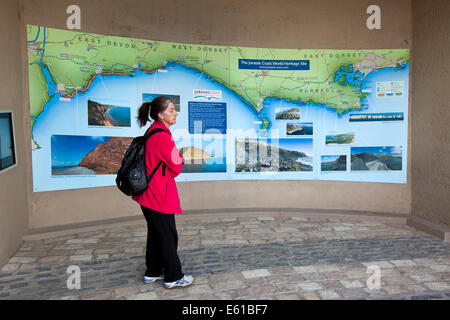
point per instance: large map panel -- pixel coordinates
(244, 113)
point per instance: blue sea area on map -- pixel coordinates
(70, 118)
(353, 78)
(48, 78)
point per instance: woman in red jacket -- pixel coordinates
(160, 201)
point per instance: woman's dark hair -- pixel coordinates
(159, 104)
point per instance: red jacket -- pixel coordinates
(162, 194)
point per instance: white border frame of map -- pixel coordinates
(16, 164)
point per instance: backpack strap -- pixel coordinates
(147, 135)
(154, 171)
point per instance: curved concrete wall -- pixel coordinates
(326, 24)
(431, 112)
(13, 181)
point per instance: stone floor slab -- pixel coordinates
(256, 257)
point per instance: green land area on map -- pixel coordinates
(73, 59)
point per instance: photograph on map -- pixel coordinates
(107, 115)
(7, 152)
(87, 155)
(148, 97)
(256, 155)
(333, 163)
(287, 113)
(337, 138)
(206, 154)
(299, 129)
(376, 158)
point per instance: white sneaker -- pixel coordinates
(185, 281)
(152, 279)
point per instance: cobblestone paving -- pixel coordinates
(261, 257)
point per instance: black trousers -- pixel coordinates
(162, 243)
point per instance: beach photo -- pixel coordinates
(376, 158)
(337, 138)
(107, 115)
(148, 97)
(299, 129)
(87, 155)
(333, 163)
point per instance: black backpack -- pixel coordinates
(132, 178)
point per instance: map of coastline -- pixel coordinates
(85, 87)
(63, 62)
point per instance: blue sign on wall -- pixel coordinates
(207, 117)
(259, 64)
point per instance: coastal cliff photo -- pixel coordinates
(108, 115)
(287, 114)
(333, 163)
(87, 155)
(376, 158)
(203, 155)
(148, 97)
(264, 155)
(299, 129)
